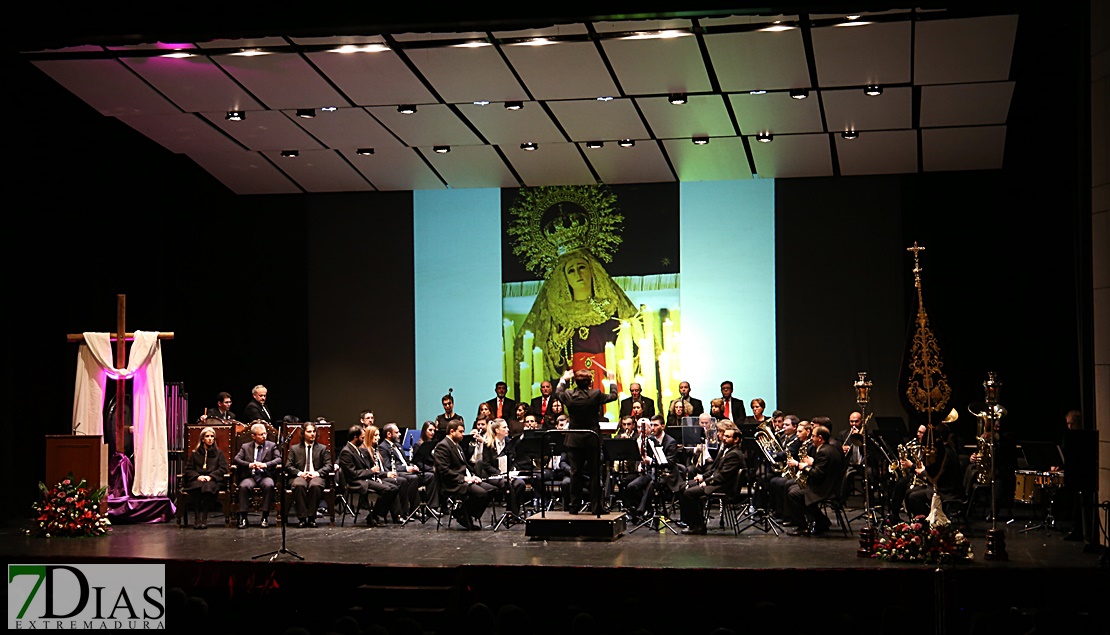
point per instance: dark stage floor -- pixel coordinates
(642, 580)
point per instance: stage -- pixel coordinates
(642, 580)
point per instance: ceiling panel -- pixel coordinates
(500, 126)
(759, 60)
(792, 156)
(465, 75)
(964, 50)
(590, 119)
(432, 124)
(321, 171)
(702, 115)
(852, 109)
(108, 86)
(372, 79)
(642, 163)
(658, 66)
(965, 104)
(470, 166)
(265, 130)
(281, 80)
(972, 148)
(565, 70)
(550, 164)
(246, 172)
(395, 169)
(346, 128)
(194, 83)
(881, 152)
(183, 133)
(718, 160)
(776, 112)
(876, 53)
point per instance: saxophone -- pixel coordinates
(801, 475)
(917, 450)
(983, 474)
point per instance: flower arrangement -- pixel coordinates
(919, 540)
(69, 509)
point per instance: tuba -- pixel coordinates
(765, 438)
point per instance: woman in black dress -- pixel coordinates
(205, 472)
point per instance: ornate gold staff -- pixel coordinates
(927, 388)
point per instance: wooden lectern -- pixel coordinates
(84, 455)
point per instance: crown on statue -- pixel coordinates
(567, 231)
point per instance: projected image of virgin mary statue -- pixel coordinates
(564, 234)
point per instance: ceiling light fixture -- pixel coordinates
(365, 151)
(329, 109)
(677, 98)
(481, 102)
(849, 134)
(289, 154)
(799, 93)
(873, 90)
(306, 113)
(364, 48)
(605, 98)
(594, 145)
(441, 149)
(764, 137)
(777, 26)
(514, 105)
(529, 146)
(406, 109)
(700, 141)
(177, 56)
(626, 143)
(757, 92)
(250, 53)
(235, 115)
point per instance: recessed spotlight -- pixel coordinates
(529, 146)
(406, 109)
(626, 143)
(441, 149)
(799, 93)
(700, 141)
(764, 137)
(289, 154)
(514, 105)
(849, 134)
(873, 91)
(593, 145)
(481, 102)
(306, 113)
(235, 115)
(677, 98)
(365, 151)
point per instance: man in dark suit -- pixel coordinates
(684, 395)
(722, 474)
(733, 409)
(637, 494)
(501, 407)
(824, 469)
(583, 405)
(543, 402)
(647, 404)
(222, 411)
(363, 476)
(309, 462)
(256, 409)
(255, 463)
(456, 479)
(393, 458)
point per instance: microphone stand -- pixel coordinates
(283, 445)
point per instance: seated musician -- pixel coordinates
(824, 471)
(910, 472)
(393, 457)
(495, 467)
(256, 463)
(309, 463)
(456, 479)
(720, 474)
(699, 457)
(666, 474)
(941, 475)
(780, 483)
(222, 411)
(363, 476)
(1005, 460)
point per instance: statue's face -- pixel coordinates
(578, 277)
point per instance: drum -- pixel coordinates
(1050, 479)
(1026, 487)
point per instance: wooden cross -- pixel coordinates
(120, 337)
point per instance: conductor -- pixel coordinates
(583, 404)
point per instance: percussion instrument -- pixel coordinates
(1027, 486)
(1049, 479)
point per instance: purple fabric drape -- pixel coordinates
(122, 507)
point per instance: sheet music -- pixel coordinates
(660, 457)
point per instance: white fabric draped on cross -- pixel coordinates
(144, 369)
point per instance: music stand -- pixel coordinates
(411, 438)
(657, 520)
(622, 451)
(541, 442)
(508, 518)
(283, 447)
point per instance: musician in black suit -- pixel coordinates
(583, 405)
(824, 470)
(501, 407)
(732, 408)
(393, 457)
(647, 405)
(723, 473)
(636, 495)
(541, 404)
(308, 465)
(256, 463)
(363, 476)
(256, 409)
(222, 411)
(456, 479)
